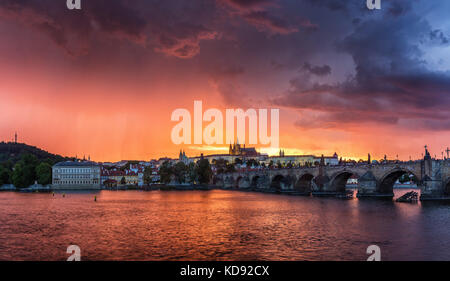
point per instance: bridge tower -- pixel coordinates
(434, 175)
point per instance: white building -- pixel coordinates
(329, 160)
(76, 175)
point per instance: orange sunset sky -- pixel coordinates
(104, 81)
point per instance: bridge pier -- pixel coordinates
(369, 187)
(243, 183)
(228, 182)
(436, 182)
(433, 190)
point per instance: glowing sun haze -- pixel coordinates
(104, 81)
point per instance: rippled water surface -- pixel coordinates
(217, 225)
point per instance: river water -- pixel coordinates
(217, 225)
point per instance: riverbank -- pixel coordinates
(32, 188)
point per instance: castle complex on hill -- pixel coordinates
(237, 150)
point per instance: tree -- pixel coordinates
(165, 172)
(44, 173)
(252, 163)
(29, 159)
(406, 177)
(5, 176)
(403, 178)
(8, 165)
(220, 165)
(230, 168)
(204, 172)
(180, 170)
(192, 173)
(17, 177)
(148, 175)
(24, 173)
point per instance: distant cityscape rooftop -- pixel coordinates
(76, 164)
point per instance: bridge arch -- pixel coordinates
(447, 187)
(386, 183)
(304, 183)
(339, 180)
(254, 182)
(280, 182)
(238, 180)
(228, 181)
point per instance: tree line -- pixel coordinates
(194, 173)
(26, 171)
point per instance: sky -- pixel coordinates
(103, 81)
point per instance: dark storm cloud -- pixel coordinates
(116, 16)
(336, 120)
(261, 14)
(174, 28)
(317, 70)
(439, 36)
(264, 20)
(397, 8)
(166, 33)
(334, 5)
(335, 57)
(182, 41)
(65, 27)
(245, 4)
(392, 83)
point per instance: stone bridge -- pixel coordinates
(374, 180)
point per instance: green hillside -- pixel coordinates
(14, 151)
(22, 164)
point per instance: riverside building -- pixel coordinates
(76, 175)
